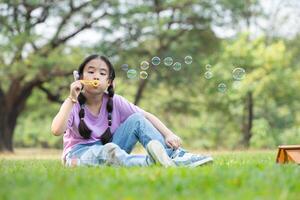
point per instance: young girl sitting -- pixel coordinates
(101, 127)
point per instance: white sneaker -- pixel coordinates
(183, 158)
(110, 150)
(158, 153)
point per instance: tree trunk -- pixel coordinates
(247, 120)
(6, 138)
(12, 104)
(140, 91)
(2, 107)
(7, 126)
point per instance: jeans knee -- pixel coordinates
(136, 117)
(110, 147)
(113, 153)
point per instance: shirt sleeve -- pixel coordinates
(125, 107)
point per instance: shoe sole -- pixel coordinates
(111, 149)
(202, 162)
(159, 154)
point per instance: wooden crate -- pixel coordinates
(288, 154)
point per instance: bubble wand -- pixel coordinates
(94, 83)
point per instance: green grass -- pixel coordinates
(237, 175)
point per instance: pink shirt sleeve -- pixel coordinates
(125, 107)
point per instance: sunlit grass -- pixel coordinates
(233, 175)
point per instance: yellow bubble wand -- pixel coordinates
(94, 83)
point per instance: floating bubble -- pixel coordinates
(131, 73)
(188, 60)
(238, 73)
(236, 85)
(222, 87)
(208, 74)
(75, 75)
(168, 61)
(177, 66)
(143, 74)
(124, 67)
(208, 67)
(144, 65)
(155, 60)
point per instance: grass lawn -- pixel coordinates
(233, 175)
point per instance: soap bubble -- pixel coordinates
(177, 66)
(208, 67)
(144, 65)
(208, 74)
(168, 61)
(188, 60)
(131, 73)
(124, 67)
(238, 74)
(222, 87)
(143, 74)
(155, 60)
(236, 85)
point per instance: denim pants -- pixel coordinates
(136, 128)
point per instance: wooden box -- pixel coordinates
(288, 154)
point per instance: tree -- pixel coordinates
(30, 59)
(162, 28)
(245, 14)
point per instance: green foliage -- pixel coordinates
(192, 107)
(33, 129)
(262, 135)
(185, 101)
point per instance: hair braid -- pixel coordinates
(109, 105)
(84, 131)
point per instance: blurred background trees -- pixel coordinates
(42, 42)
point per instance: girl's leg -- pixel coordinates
(97, 155)
(137, 128)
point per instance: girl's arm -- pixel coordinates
(60, 121)
(171, 139)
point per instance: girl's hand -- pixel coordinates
(75, 89)
(173, 141)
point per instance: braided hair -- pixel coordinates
(84, 131)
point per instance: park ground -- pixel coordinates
(253, 174)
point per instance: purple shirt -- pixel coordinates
(122, 109)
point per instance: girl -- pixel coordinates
(101, 127)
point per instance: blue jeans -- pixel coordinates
(135, 128)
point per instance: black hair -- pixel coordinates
(84, 131)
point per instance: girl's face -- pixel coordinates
(96, 69)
